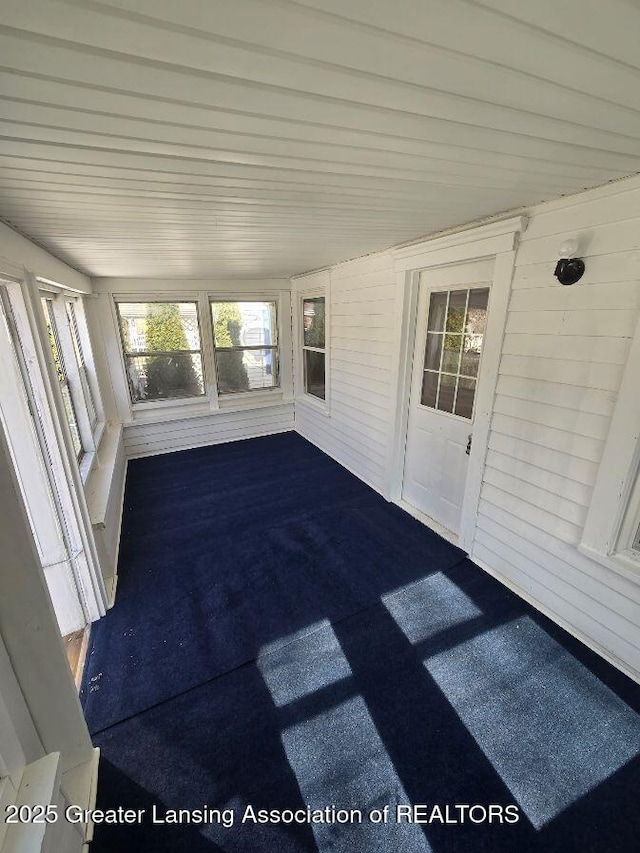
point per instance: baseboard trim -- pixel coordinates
(558, 620)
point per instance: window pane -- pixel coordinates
(471, 356)
(71, 419)
(313, 315)
(314, 378)
(58, 358)
(447, 393)
(163, 377)
(451, 355)
(456, 311)
(159, 326)
(437, 311)
(84, 379)
(454, 355)
(433, 351)
(246, 370)
(477, 311)
(464, 400)
(244, 324)
(429, 389)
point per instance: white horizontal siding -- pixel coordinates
(564, 352)
(355, 428)
(149, 439)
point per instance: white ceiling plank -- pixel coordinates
(249, 138)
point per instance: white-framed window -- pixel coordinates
(611, 534)
(245, 345)
(83, 372)
(68, 339)
(60, 361)
(161, 345)
(313, 333)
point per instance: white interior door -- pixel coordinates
(452, 314)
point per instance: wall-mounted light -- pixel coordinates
(569, 269)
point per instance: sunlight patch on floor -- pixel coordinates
(337, 754)
(551, 729)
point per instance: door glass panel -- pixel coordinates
(456, 326)
(447, 393)
(464, 397)
(429, 388)
(451, 355)
(437, 311)
(477, 311)
(434, 350)
(456, 311)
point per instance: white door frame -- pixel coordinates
(497, 240)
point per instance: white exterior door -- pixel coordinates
(450, 326)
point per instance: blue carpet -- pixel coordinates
(286, 639)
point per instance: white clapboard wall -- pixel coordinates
(355, 429)
(564, 352)
(149, 439)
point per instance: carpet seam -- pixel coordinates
(252, 660)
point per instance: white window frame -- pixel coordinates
(81, 385)
(252, 392)
(614, 513)
(160, 411)
(312, 287)
(38, 370)
(168, 299)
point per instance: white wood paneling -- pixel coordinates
(238, 138)
(355, 428)
(559, 377)
(149, 439)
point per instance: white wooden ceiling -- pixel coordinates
(262, 138)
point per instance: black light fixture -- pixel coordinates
(569, 269)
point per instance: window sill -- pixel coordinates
(623, 563)
(252, 399)
(231, 403)
(98, 484)
(86, 466)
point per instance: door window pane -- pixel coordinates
(447, 393)
(437, 311)
(429, 388)
(433, 352)
(456, 310)
(451, 354)
(314, 373)
(464, 397)
(456, 325)
(477, 311)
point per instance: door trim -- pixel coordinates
(498, 240)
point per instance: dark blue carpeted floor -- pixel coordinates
(285, 638)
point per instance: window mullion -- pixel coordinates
(208, 351)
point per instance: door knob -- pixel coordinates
(468, 450)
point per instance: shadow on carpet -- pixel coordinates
(308, 645)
